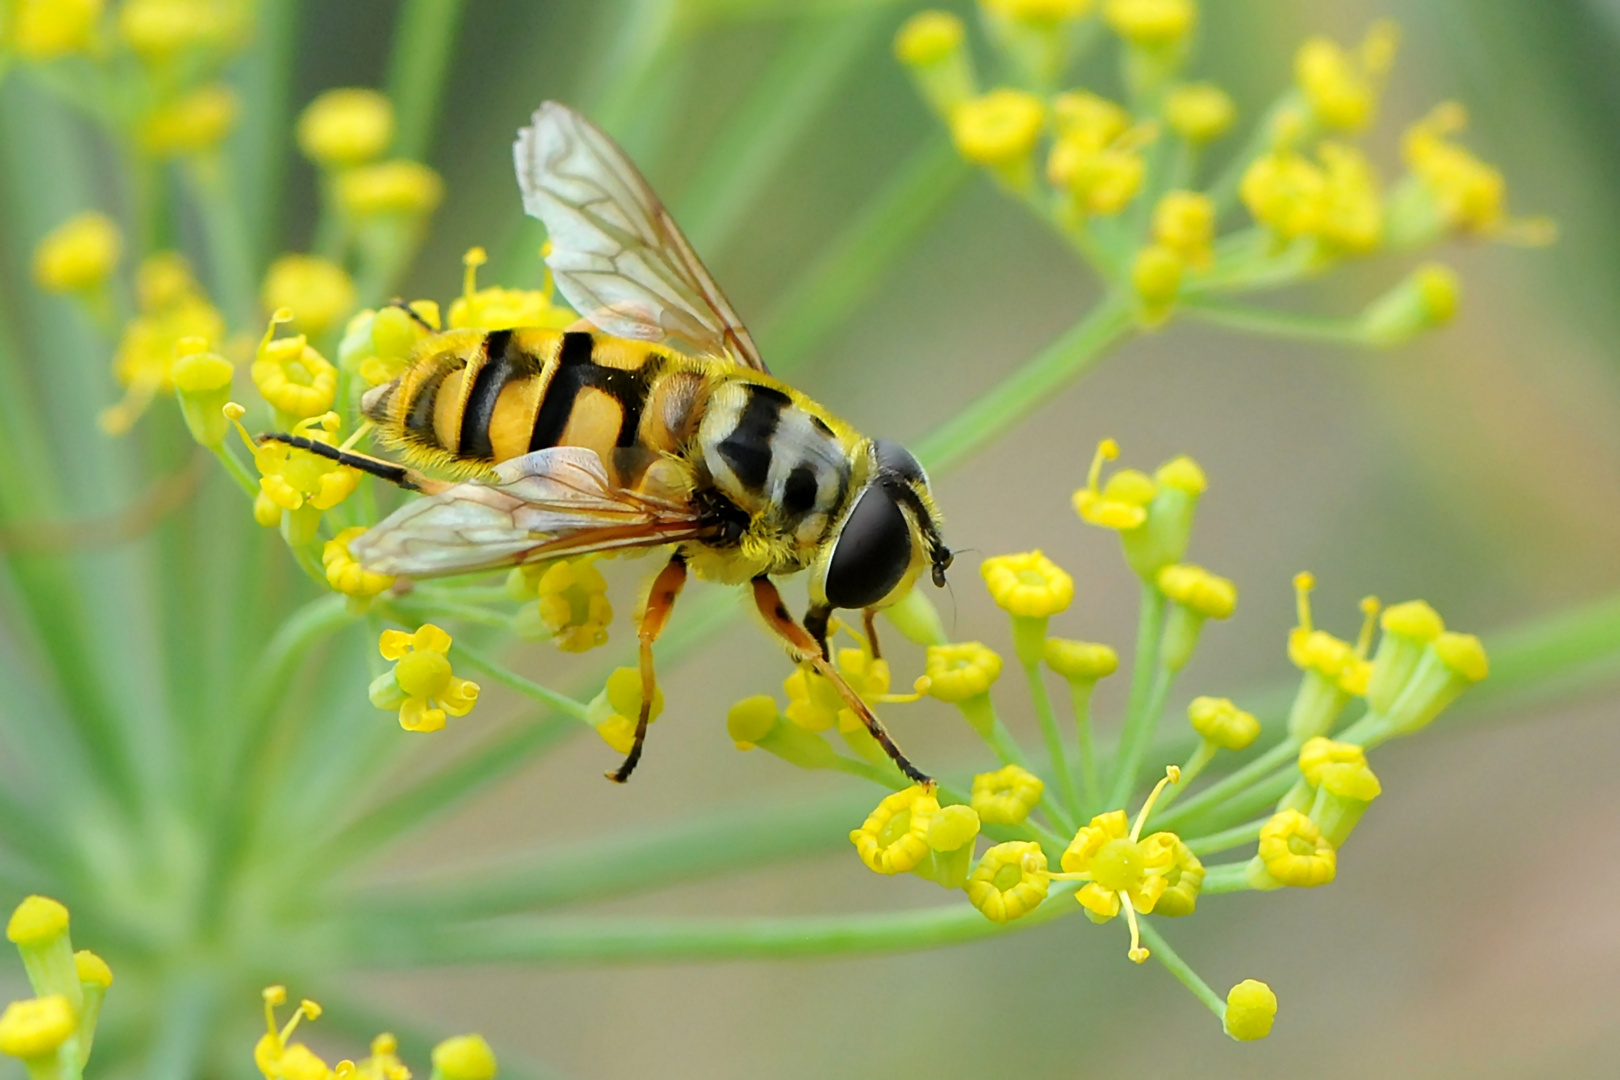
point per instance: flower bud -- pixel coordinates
(1196, 595)
(202, 382)
(931, 44)
(39, 929)
(317, 291)
(1344, 791)
(1450, 664)
(78, 255)
(346, 127)
(1426, 299)
(756, 722)
(1167, 518)
(1251, 1008)
(1223, 723)
(951, 834)
(465, 1057)
(1408, 629)
(1200, 112)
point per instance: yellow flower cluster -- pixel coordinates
(52, 1033)
(172, 307)
(278, 1057)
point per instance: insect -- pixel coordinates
(653, 422)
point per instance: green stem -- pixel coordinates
(1144, 670)
(1226, 878)
(1178, 967)
(1273, 323)
(1237, 836)
(424, 41)
(1201, 756)
(1054, 748)
(527, 687)
(237, 471)
(1028, 388)
(640, 939)
(1080, 695)
(1229, 785)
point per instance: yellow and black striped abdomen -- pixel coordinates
(473, 398)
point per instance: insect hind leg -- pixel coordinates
(394, 473)
(660, 602)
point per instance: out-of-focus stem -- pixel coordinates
(424, 41)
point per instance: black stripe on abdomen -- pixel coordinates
(419, 421)
(573, 374)
(493, 375)
(747, 450)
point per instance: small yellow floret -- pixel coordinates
(998, 129)
(291, 375)
(1350, 217)
(928, 37)
(36, 1028)
(1295, 852)
(344, 572)
(1343, 89)
(1120, 504)
(1156, 276)
(1183, 880)
(1182, 474)
(422, 686)
(317, 291)
(172, 307)
(1463, 654)
(894, 837)
(1350, 781)
(346, 127)
(1151, 23)
(1027, 585)
(751, 719)
(1184, 222)
(496, 308)
(1283, 191)
(1250, 1009)
(1320, 752)
(1198, 590)
(1200, 112)
(1223, 723)
(92, 969)
(79, 254)
(573, 604)
(617, 710)
(1471, 195)
(390, 189)
(953, 828)
(159, 30)
(465, 1057)
(1010, 881)
(1037, 11)
(1080, 660)
(36, 919)
(1006, 796)
(49, 29)
(191, 124)
(961, 671)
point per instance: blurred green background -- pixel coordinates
(1472, 929)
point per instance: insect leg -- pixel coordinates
(409, 479)
(805, 648)
(815, 621)
(660, 602)
(869, 620)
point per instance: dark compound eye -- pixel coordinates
(872, 553)
(896, 460)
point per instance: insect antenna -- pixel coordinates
(382, 470)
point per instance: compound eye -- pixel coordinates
(895, 460)
(872, 552)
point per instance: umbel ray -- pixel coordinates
(651, 422)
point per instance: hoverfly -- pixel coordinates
(652, 422)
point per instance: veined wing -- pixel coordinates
(616, 254)
(543, 505)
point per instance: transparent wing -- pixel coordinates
(543, 505)
(616, 255)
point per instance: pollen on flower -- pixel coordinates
(1223, 723)
(344, 572)
(346, 127)
(79, 254)
(1121, 504)
(998, 129)
(317, 291)
(291, 375)
(421, 686)
(1006, 796)
(1251, 1008)
(1200, 112)
(1294, 852)
(961, 671)
(1010, 881)
(1027, 585)
(36, 1028)
(894, 837)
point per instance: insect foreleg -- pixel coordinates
(869, 620)
(409, 479)
(660, 602)
(805, 648)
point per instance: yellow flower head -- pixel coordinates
(344, 572)
(317, 291)
(1156, 276)
(1151, 23)
(573, 608)
(928, 37)
(999, 129)
(78, 255)
(813, 704)
(92, 969)
(192, 124)
(1470, 195)
(1350, 218)
(49, 29)
(279, 1058)
(1123, 870)
(496, 308)
(159, 30)
(1223, 723)
(379, 344)
(421, 685)
(1184, 222)
(346, 127)
(1294, 852)
(1101, 174)
(1250, 1009)
(1283, 192)
(291, 375)
(752, 719)
(390, 189)
(894, 837)
(616, 711)
(1027, 585)
(1414, 619)
(37, 920)
(1199, 591)
(1080, 661)
(35, 1029)
(1037, 11)
(1120, 504)
(1010, 881)
(1315, 650)
(294, 479)
(1200, 112)
(1320, 753)
(465, 1057)
(1087, 120)
(172, 307)
(961, 671)
(1006, 796)
(1342, 88)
